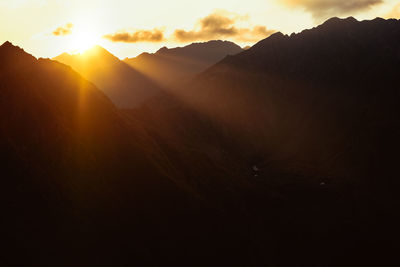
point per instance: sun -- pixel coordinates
(83, 38)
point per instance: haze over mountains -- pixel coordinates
(284, 154)
(148, 74)
(125, 86)
(167, 66)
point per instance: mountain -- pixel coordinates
(81, 184)
(284, 154)
(125, 86)
(167, 66)
(314, 117)
(298, 94)
(85, 183)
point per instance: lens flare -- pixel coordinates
(83, 37)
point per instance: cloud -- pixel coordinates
(155, 35)
(322, 9)
(64, 30)
(254, 33)
(221, 24)
(394, 13)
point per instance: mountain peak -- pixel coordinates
(274, 38)
(216, 43)
(212, 44)
(335, 21)
(125, 86)
(97, 48)
(93, 52)
(276, 35)
(8, 51)
(96, 51)
(7, 44)
(170, 65)
(162, 49)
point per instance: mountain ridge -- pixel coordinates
(125, 86)
(73, 166)
(310, 125)
(288, 148)
(286, 77)
(171, 65)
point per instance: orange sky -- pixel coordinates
(126, 28)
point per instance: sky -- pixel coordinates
(47, 28)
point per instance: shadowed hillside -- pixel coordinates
(303, 95)
(282, 155)
(314, 119)
(167, 66)
(81, 185)
(125, 86)
(86, 184)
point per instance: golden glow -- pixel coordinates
(29, 23)
(83, 37)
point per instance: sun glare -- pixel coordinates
(83, 38)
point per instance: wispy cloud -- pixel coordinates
(220, 25)
(322, 9)
(155, 35)
(64, 30)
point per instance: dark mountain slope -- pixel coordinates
(72, 108)
(125, 86)
(170, 65)
(314, 118)
(293, 143)
(301, 96)
(81, 185)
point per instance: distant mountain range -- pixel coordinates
(173, 65)
(128, 84)
(285, 154)
(125, 86)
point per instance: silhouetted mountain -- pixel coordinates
(302, 88)
(123, 85)
(315, 118)
(170, 65)
(284, 155)
(81, 184)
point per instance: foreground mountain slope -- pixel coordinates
(296, 164)
(314, 118)
(125, 86)
(81, 185)
(170, 65)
